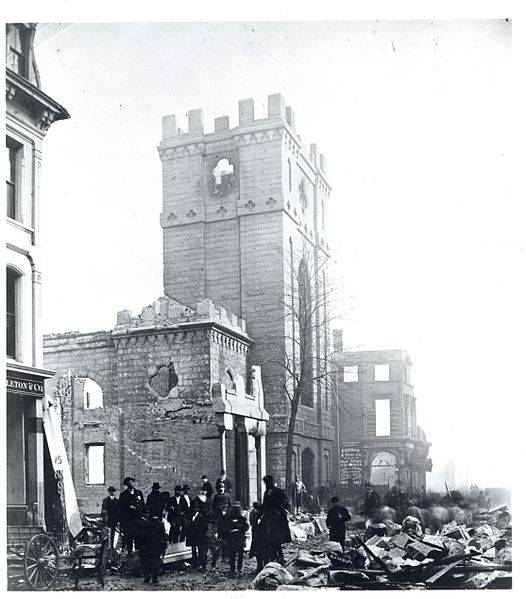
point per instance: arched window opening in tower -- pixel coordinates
(223, 176)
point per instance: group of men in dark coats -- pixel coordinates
(208, 523)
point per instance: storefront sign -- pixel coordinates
(24, 386)
(381, 444)
(351, 464)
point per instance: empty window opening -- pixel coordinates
(95, 464)
(350, 374)
(223, 176)
(381, 372)
(93, 396)
(383, 417)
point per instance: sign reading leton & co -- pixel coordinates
(32, 387)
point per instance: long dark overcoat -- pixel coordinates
(274, 520)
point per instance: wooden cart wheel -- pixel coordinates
(40, 562)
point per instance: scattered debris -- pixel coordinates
(468, 553)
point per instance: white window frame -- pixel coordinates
(95, 476)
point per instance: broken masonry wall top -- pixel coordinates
(277, 111)
(166, 311)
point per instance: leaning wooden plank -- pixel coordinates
(432, 579)
(374, 557)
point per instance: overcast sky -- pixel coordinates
(414, 120)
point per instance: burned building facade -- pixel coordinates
(378, 439)
(244, 208)
(165, 396)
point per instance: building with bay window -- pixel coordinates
(29, 114)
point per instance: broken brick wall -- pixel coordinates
(157, 423)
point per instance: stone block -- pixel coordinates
(195, 121)
(205, 308)
(221, 123)
(291, 120)
(246, 112)
(169, 126)
(276, 106)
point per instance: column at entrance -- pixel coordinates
(241, 468)
(247, 471)
(261, 448)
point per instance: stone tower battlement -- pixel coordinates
(166, 311)
(233, 192)
(241, 206)
(278, 114)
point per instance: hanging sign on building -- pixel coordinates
(351, 464)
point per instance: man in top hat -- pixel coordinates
(110, 512)
(224, 480)
(177, 507)
(207, 487)
(131, 510)
(187, 504)
(337, 516)
(154, 502)
(275, 521)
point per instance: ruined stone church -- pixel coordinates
(191, 385)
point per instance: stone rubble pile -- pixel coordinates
(459, 556)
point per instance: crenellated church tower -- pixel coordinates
(243, 209)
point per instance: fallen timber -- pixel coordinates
(460, 555)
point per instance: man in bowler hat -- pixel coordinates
(131, 510)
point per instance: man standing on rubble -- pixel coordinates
(110, 513)
(131, 510)
(275, 524)
(337, 517)
(298, 491)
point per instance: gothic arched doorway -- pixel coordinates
(307, 469)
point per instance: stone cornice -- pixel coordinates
(180, 332)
